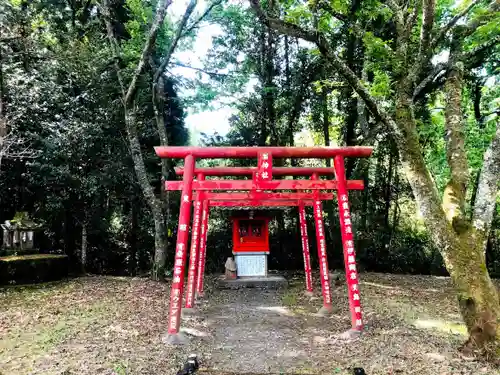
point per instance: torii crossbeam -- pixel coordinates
(261, 182)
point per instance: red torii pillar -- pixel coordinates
(195, 238)
(348, 247)
(305, 248)
(180, 252)
(322, 256)
(203, 248)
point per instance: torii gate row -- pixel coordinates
(256, 199)
(262, 180)
(259, 199)
(217, 201)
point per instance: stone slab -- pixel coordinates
(268, 282)
(254, 265)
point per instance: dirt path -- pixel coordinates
(253, 332)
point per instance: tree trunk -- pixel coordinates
(477, 295)
(388, 190)
(132, 237)
(154, 203)
(159, 110)
(83, 254)
(326, 122)
(463, 254)
(3, 121)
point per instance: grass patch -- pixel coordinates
(289, 298)
(441, 326)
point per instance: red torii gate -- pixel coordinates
(262, 180)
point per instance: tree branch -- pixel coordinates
(325, 5)
(428, 10)
(471, 56)
(287, 28)
(428, 15)
(442, 32)
(316, 38)
(202, 70)
(398, 14)
(411, 20)
(358, 31)
(454, 193)
(175, 41)
(487, 189)
(106, 12)
(202, 17)
(146, 51)
(433, 74)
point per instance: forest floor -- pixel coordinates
(111, 325)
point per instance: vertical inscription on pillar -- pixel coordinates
(194, 253)
(323, 260)
(305, 247)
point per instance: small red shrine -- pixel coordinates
(250, 244)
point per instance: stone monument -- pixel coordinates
(18, 235)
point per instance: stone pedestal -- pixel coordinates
(267, 282)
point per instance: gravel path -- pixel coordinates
(250, 331)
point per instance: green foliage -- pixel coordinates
(381, 86)
(80, 172)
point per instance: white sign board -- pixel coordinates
(251, 265)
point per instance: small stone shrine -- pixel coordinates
(18, 235)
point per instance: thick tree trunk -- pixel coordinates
(463, 254)
(477, 295)
(154, 203)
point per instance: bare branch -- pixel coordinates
(442, 32)
(9, 38)
(209, 73)
(14, 147)
(487, 189)
(146, 51)
(201, 18)
(175, 41)
(432, 75)
(428, 15)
